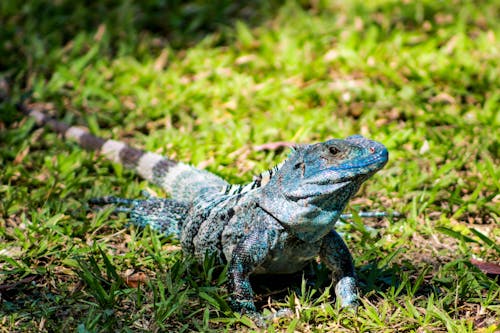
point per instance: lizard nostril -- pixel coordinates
(372, 150)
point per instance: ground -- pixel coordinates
(215, 85)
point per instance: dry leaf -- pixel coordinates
(161, 61)
(133, 280)
(14, 285)
(486, 267)
(21, 155)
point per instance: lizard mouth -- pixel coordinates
(377, 159)
(313, 191)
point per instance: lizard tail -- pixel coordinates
(150, 166)
(181, 180)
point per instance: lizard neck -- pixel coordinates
(309, 218)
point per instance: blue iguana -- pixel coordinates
(276, 224)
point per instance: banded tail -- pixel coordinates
(182, 181)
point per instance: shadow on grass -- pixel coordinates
(419, 280)
(31, 30)
(39, 26)
(371, 278)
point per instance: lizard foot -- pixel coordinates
(259, 320)
(345, 290)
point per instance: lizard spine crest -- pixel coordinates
(258, 181)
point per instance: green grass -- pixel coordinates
(207, 84)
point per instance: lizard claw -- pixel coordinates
(281, 313)
(257, 318)
(262, 321)
(147, 194)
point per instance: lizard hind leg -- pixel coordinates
(163, 215)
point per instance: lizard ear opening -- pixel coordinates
(302, 166)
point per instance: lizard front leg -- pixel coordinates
(249, 253)
(336, 256)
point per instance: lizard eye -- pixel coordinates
(334, 150)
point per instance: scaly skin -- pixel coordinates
(276, 224)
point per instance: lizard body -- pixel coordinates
(277, 223)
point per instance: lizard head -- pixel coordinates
(310, 190)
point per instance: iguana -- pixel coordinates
(276, 224)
